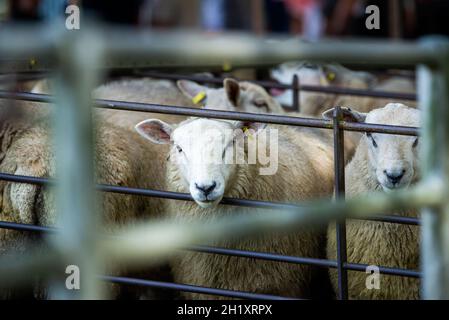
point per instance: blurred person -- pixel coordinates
(431, 17)
(24, 10)
(276, 15)
(118, 12)
(348, 17)
(238, 15)
(49, 9)
(309, 13)
(212, 15)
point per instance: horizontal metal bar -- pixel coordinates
(194, 289)
(135, 47)
(302, 260)
(242, 253)
(277, 85)
(27, 227)
(384, 270)
(24, 76)
(265, 256)
(230, 115)
(187, 197)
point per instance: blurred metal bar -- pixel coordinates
(433, 85)
(133, 48)
(277, 85)
(187, 197)
(192, 288)
(339, 189)
(75, 196)
(243, 253)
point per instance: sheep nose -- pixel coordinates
(206, 189)
(394, 176)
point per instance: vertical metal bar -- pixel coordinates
(433, 89)
(339, 167)
(295, 84)
(76, 204)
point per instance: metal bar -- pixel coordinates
(76, 201)
(384, 270)
(295, 95)
(187, 197)
(192, 288)
(230, 115)
(339, 171)
(433, 85)
(277, 85)
(242, 253)
(137, 48)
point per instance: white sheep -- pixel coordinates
(325, 75)
(121, 159)
(249, 97)
(201, 164)
(381, 162)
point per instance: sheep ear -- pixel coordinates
(348, 115)
(155, 130)
(232, 89)
(190, 88)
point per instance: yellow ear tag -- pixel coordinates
(330, 76)
(33, 62)
(245, 131)
(227, 66)
(199, 97)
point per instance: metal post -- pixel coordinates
(295, 84)
(339, 168)
(433, 89)
(79, 56)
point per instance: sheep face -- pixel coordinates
(242, 96)
(392, 158)
(308, 74)
(203, 152)
(316, 75)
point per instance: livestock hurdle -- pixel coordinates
(425, 53)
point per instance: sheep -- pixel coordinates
(314, 103)
(120, 159)
(381, 163)
(304, 170)
(253, 99)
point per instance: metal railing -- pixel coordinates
(430, 193)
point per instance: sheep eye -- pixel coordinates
(372, 140)
(415, 143)
(261, 104)
(179, 149)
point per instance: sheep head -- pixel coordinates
(316, 75)
(204, 153)
(392, 158)
(233, 96)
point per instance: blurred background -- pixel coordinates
(311, 19)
